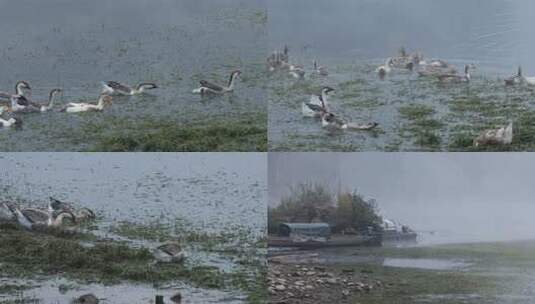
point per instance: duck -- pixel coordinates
(74, 107)
(33, 219)
(331, 121)
(170, 252)
(319, 70)
(211, 88)
(317, 104)
(116, 88)
(11, 122)
(86, 299)
(456, 78)
(499, 136)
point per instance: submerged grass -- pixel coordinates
(224, 134)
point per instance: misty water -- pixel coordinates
(76, 46)
(351, 39)
(212, 193)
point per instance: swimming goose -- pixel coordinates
(296, 71)
(11, 122)
(499, 136)
(456, 78)
(514, 79)
(21, 104)
(384, 69)
(278, 59)
(330, 121)
(317, 104)
(436, 67)
(320, 70)
(114, 87)
(74, 107)
(404, 60)
(170, 252)
(211, 88)
(22, 88)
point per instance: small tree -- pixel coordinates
(353, 211)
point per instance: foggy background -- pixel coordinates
(493, 33)
(459, 196)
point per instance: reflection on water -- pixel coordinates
(75, 46)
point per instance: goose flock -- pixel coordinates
(21, 102)
(404, 62)
(57, 214)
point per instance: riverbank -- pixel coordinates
(461, 273)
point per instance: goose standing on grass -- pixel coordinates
(170, 252)
(212, 88)
(74, 107)
(332, 122)
(317, 104)
(457, 78)
(116, 88)
(499, 136)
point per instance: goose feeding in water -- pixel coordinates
(34, 218)
(170, 252)
(457, 78)
(317, 104)
(74, 107)
(116, 88)
(320, 70)
(331, 121)
(212, 88)
(499, 136)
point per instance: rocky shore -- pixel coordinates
(308, 283)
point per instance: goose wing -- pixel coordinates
(315, 107)
(35, 215)
(211, 86)
(5, 95)
(170, 248)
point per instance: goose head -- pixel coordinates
(54, 93)
(21, 87)
(326, 90)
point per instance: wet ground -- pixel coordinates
(499, 272)
(414, 114)
(213, 203)
(174, 44)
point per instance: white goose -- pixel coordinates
(384, 69)
(457, 78)
(73, 107)
(11, 122)
(499, 136)
(114, 87)
(317, 104)
(212, 88)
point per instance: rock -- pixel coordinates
(345, 292)
(331, 281)
(310, 273)
(280, 287)
(177, 298)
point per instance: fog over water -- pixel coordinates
(459, 196)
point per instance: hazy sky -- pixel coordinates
(484, 196)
